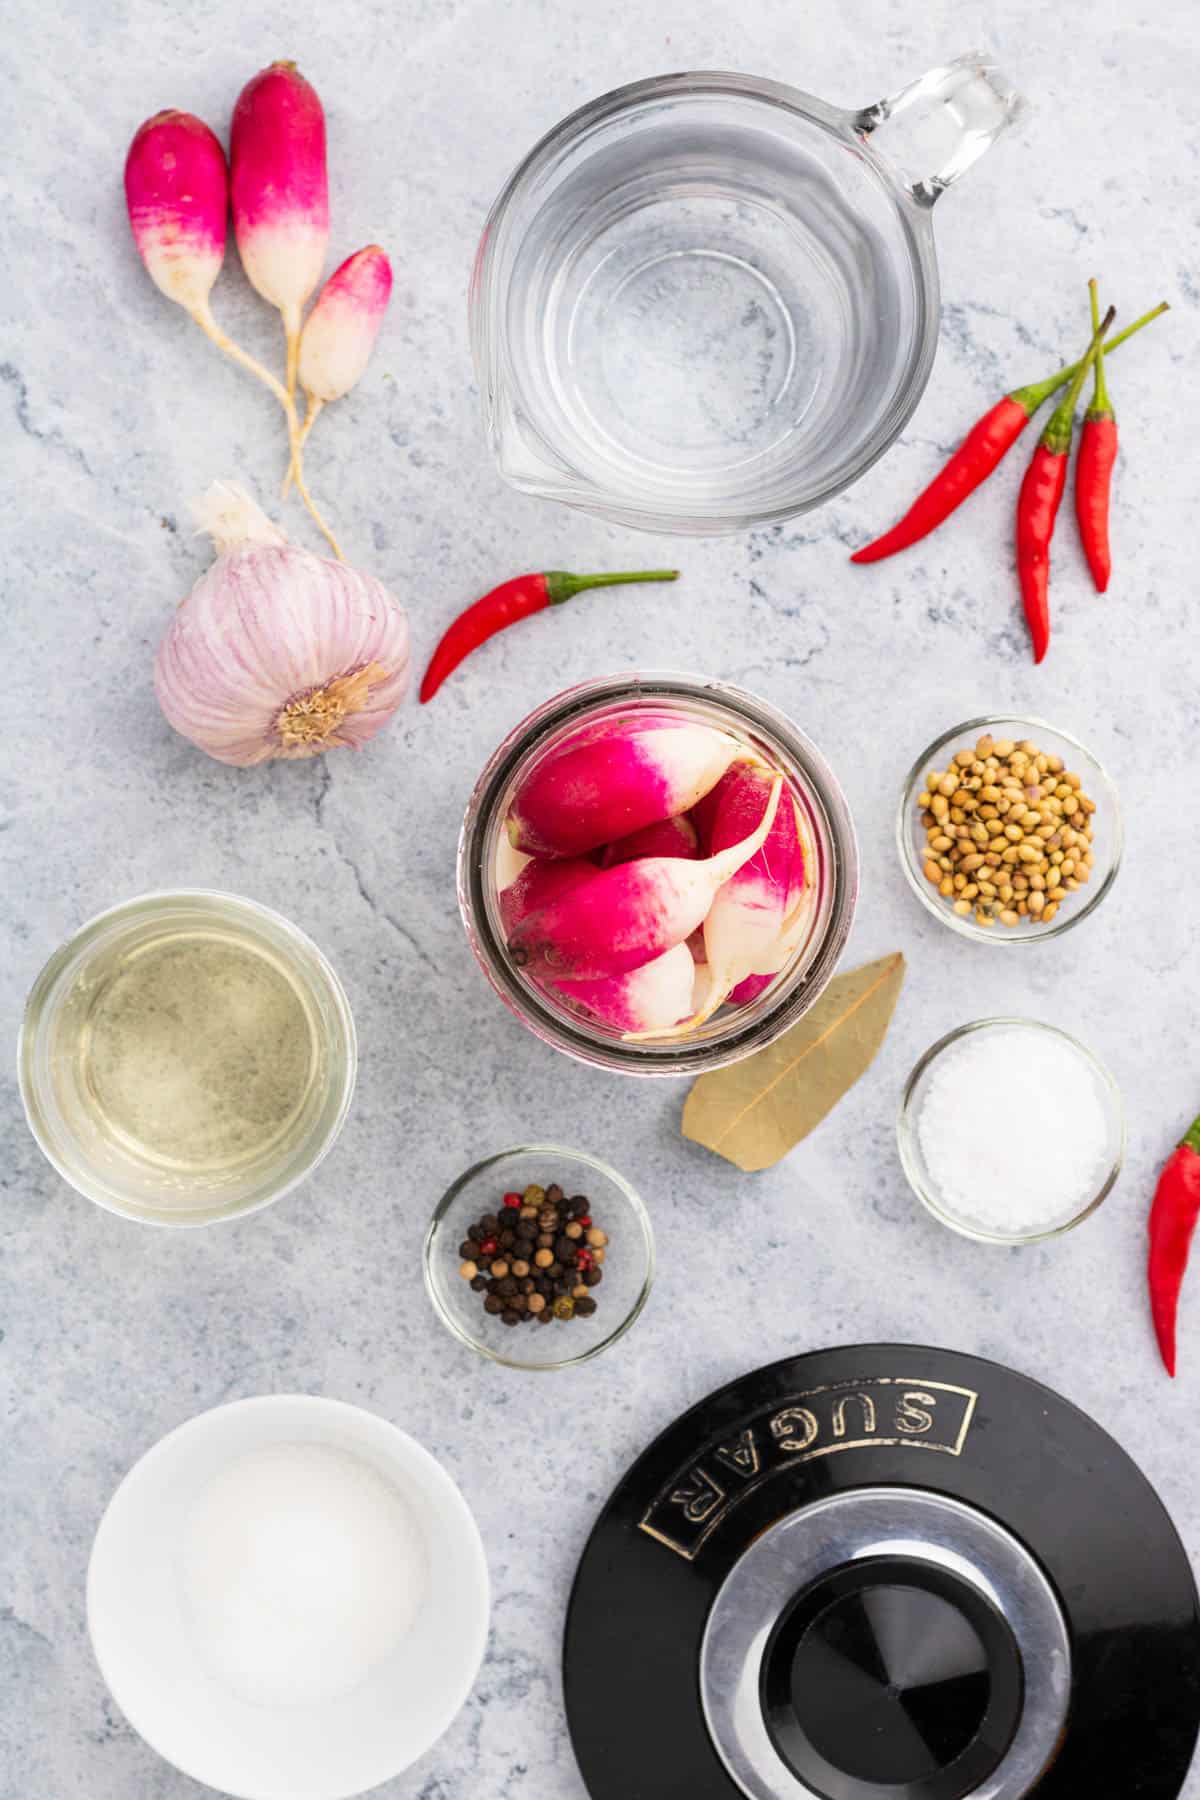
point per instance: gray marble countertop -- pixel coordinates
(116, 412)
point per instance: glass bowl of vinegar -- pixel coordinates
(187, 1057)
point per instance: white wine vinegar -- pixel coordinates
(197, 1049)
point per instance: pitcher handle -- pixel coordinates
(948, 117)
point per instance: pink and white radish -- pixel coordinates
(537, 884)
(280, 192)
(612, 781)
(744, 992)
(623, 917)
(741, 995)
(340, 332)
(796, 928)
(798, 924)
(701, 987)
(649, 999)
(779, 954)
(702, 817)
(646, 999)
(669, 837)
(177, 193)
(509, 864)
(752, 910)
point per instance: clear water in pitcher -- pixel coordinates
(705, 307)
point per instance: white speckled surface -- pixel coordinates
(116, 411)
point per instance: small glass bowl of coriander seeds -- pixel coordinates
(539, 1257)
(1009, 830)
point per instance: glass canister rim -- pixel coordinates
(799, 989)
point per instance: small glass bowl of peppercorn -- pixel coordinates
(1009, 830)
(539, 1257)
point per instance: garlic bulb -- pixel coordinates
(277, 652)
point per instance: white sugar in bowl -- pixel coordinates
(288, 1599)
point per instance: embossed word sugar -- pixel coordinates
(825, 1421)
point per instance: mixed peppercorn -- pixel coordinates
(539, 1257)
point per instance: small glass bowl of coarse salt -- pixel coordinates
(1011, 1131)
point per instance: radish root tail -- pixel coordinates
(314, 407)
(208, 325)
(291, 328)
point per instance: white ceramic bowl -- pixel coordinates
(147, 1648)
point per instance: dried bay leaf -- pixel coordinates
(753, 1113)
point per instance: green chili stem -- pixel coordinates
(1101, 407)
(1057, 435)
(202, 315)
(1038, 392)
(561, 586)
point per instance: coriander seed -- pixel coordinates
(1008, 833)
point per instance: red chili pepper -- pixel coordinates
(972, 462)
(1039, 500)
(1093, 483)
(1093, 470)
(980, 451)
(513, 600)
(1172, 1221)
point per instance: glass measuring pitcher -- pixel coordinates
(707, 301)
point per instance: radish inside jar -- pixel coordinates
(657, 874)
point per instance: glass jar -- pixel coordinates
(831, 859)
(117, 1108)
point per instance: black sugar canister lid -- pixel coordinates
(916, 1422)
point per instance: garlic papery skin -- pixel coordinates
(277, 652)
